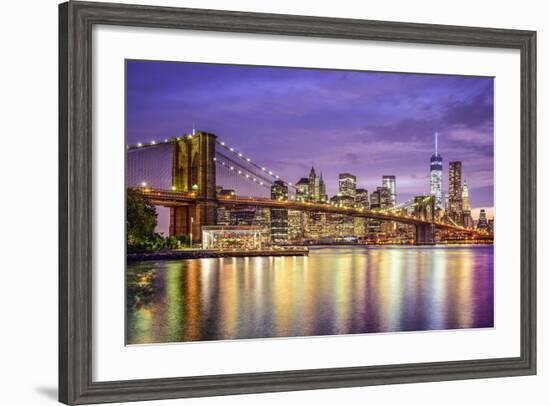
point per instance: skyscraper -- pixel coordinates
(302, 189)
(295, 226)
(347, 184)
(388, 181)
(323, 197)
(465, 197)
(482, 223)
(361, 202)
(380, 199)
(436, 176)
(467, 220)
(362, 199)
(279, 217)
(313, 186)
(454, 210)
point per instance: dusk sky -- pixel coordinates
(287, 119)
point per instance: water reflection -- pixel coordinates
(336, 290)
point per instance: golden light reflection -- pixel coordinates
(438, 291)
(192, 310)
(465, 290)
(336, 290)
(174, 296)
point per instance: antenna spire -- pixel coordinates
(436, 134)
(194, 128)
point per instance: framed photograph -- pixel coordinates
(257, 202)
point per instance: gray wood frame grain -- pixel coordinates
(76, 20)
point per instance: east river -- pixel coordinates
(335, 290)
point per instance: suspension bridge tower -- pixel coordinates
(424, 209)
(194, 171)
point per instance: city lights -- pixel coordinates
(310, 194)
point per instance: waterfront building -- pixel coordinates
(340, 225)
(380, 199)
(388, 181)
(262, 219)
(436, 176)
(223, 216)
(360, 223)
(315, 226)
(279, 217)
(347, 184)
(242, 216)
(345, 226)
(359, 227)
(231, 237)
(454, 209)
(295, 226)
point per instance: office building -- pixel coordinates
(302, 189)
(436, 176)
(279, 217)
(482, 223)
(388, 181)
(454, 209)
(465, 197)
(347, 184)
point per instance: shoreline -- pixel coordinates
(197, 254)
(295, 251)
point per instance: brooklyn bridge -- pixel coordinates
(182, 174)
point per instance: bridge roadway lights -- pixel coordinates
(425, 234)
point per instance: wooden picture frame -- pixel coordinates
(76, 20)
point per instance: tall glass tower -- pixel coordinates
(436, 176)
(388, 181)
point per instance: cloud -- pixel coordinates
(367, 123)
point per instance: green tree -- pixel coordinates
(141, 219)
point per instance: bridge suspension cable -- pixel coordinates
(234, 166)
(140, 146)
(249, 161)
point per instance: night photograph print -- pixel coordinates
(266, 202)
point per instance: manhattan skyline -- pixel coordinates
(367, 123)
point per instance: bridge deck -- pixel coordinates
(170, 198)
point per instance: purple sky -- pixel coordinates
(366, 123)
